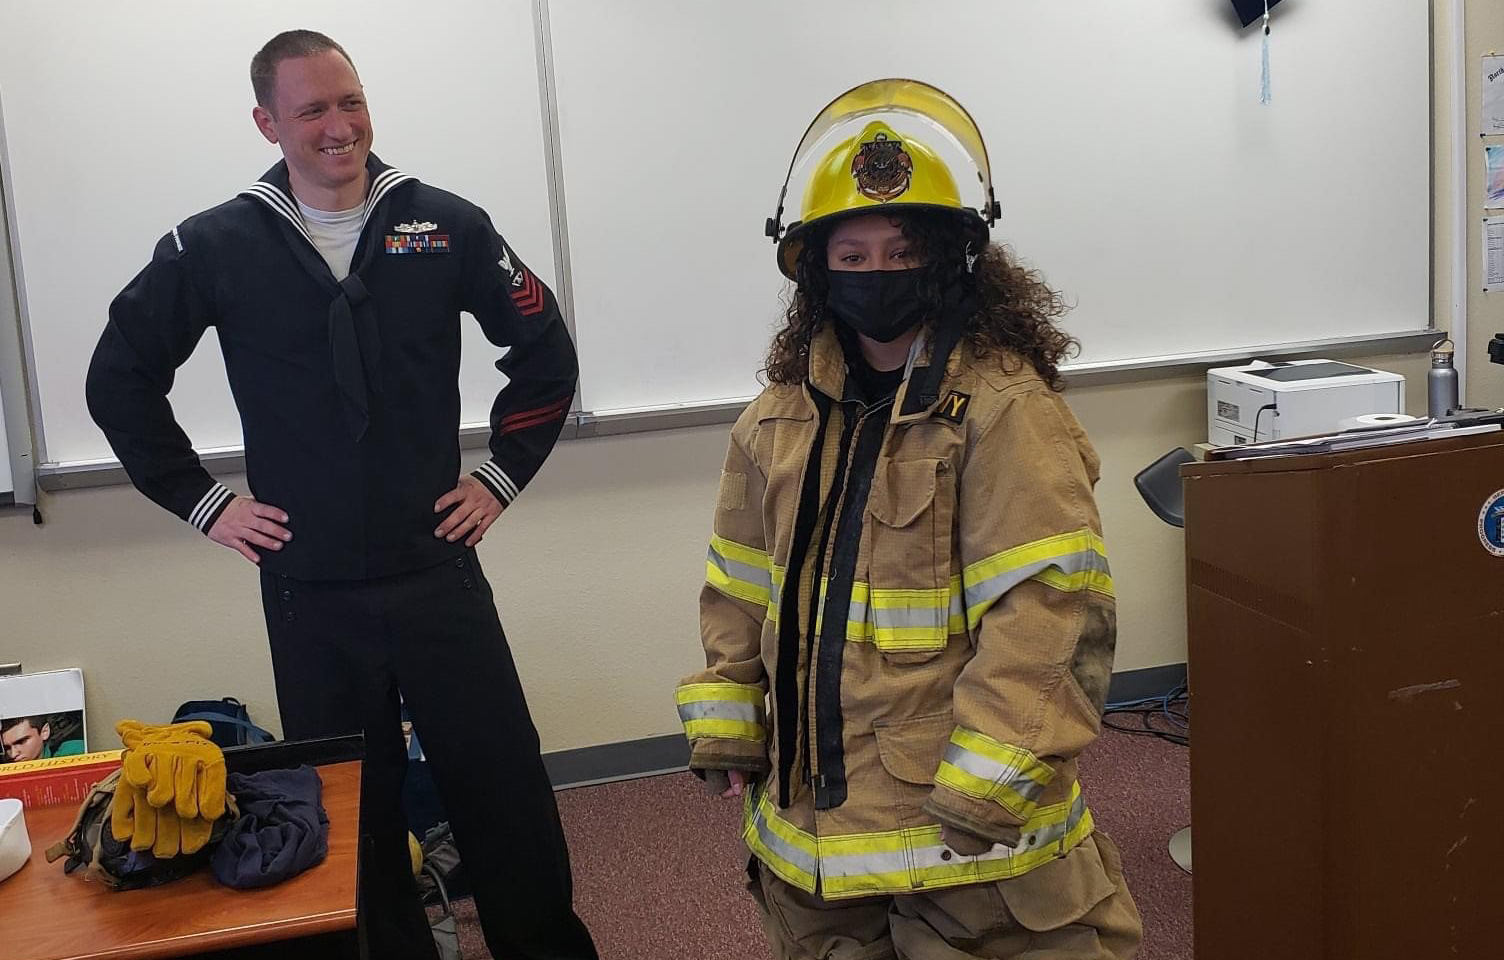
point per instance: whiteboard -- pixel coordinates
(1134, 163)
(122, 120)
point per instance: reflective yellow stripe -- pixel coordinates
(885, 616)
(739, 571)
(1069, 561)
(735, 692)
(900, 861)
(785, 849)
(1093, 580)
(729, 710)
(984, 769)
(740, 552)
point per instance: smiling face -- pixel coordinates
(318, 117)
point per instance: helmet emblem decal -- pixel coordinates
(882, 169)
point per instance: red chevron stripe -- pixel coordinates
(555, 407)
(529, 287)
(529, 300)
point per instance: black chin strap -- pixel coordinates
(959, 304)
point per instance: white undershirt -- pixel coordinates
(334, 235)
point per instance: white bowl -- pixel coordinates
(15, 845)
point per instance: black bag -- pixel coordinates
(91, 845)
(229, 718)
(443, 875)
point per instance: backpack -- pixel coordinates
(229, 718)
(92, 845)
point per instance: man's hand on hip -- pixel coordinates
(475, 509)
(245, 524)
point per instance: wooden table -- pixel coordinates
(47, 915)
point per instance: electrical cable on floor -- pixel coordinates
(1169, 711)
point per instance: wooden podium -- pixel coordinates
(1346, 647)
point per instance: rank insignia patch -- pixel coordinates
(953, 407)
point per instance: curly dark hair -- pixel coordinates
(1015, 321)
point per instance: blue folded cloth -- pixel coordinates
(282, 831)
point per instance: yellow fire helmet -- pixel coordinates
(886, 145)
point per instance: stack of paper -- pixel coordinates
(1352, 440)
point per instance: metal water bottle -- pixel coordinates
(1441, 381)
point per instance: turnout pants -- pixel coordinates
(1074, 908)
(341, 652)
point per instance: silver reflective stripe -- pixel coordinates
(760, 577)
(858, 612)
(721, 710)
(933, 856)
(935, 618)
(782, 849)
(994, 587)
(986, 768)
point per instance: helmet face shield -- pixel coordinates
(887, 145)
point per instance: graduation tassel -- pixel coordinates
(1264, 96)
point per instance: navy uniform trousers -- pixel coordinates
(341, 651)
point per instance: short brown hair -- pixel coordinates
(287, 45)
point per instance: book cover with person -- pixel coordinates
(42, 716)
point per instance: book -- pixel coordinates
(56, 780)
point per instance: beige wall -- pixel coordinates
(597, 568)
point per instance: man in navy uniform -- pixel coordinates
(335, 284)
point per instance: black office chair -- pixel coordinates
(1162, 489)
(1159, 484)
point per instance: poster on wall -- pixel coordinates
(1493, 177)
(1493, 95)
(41, 716)
(1493, 254)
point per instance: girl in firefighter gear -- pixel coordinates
(908, 615)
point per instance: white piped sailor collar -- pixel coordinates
(272, 190)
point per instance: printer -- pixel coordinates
(1261, 401)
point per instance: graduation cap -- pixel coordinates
(1251, 10)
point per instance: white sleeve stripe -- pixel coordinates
(491, 472)
(498, 478)
(211, 501)
(177, 239)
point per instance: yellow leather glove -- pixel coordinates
(177, 763)
(131, 817)
(169, 833)
(151, 828)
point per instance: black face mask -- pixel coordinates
(881, 304)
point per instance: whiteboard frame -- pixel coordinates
(1460, 146)
(22, 429)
